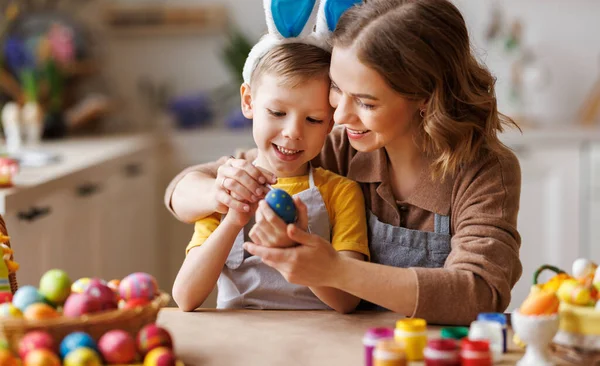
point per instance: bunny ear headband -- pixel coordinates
(297, 21)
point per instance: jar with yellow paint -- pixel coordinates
(412, 333)
(388, 352)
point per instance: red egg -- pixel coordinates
(152, 336)
(79, 304)
(117, 347)
(102, 293)
(36, 339)
(133, 303)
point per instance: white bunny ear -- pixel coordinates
(290, 18)
(330, 12)
(267, 42)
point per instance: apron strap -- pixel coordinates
(441, 224)
(311, 179)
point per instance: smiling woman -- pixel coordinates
(419, 136)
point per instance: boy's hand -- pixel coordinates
(240, 219)
(239, 184)
(270, 230)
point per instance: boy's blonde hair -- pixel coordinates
(421, 48)
(294, 63)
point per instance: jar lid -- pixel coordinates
(455, 332)
(412, 325)
(494, 317)
(390, 345)
(476, 346)
(442, 344)
(373, 334)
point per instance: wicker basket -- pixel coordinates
(11, 277)
(575, 355)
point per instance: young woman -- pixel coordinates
(419, 125)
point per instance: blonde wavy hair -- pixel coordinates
(422, 50)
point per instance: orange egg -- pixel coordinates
(540, 303)
(40, 311)
(42, 357)
(7, 358)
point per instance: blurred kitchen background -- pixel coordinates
(103, 102)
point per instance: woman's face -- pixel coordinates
(373, 113)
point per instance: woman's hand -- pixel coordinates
(270, 230)
(239, 184)
(311, 263)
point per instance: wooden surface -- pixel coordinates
(253, 337)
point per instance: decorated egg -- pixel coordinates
(134, 303)
(7, 358)
(40, 311)
(283, 205)
(79, 286)
(42, 357)
(36, 339)
(55, 285)
(596, 280)
(82, 356)
(8, 310)
(160, 356)
(114, 285)
(152, 336)
(80, 304)
(138, 285)
(101, 292)
(76, 340)
(6, 296)
(583, 268)
(117, 347)
(26, 296)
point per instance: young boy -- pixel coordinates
(286, 94)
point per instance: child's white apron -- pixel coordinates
(246, 282)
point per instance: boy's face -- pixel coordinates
(290, 124)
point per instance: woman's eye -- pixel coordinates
(365, 106)
(335, 88)
(314, 120)
(276, 113)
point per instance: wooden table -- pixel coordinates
(252, 337)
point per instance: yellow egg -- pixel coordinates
(82, 356)
(570, 291)
(80, 285)
(8, 310)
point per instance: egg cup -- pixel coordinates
(537, 331)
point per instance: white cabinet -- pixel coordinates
(549, 215)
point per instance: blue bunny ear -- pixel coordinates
(330, 12)
(290, 18)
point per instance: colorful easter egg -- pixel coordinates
(76, 340)
(80, 304)
(5, 296)
(138, 285)
(101, 292)
(80, 285)
(117, 347)
(7, 358)
(36, 339)
(160, 356)
(26, 296)
(114, 285)
(40, 311)
(8, 310)
(55, 285)
(283, 205)
(42, 357)
(134, 303)
(152, 336)
(82, 356)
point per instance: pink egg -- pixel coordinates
(101, 292)
(138, 285)
(33, 340)
(118, 347)
(80, 304)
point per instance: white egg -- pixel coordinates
(598, 306)
(583, 267)
(597, 278)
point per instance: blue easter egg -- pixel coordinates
(283, 204)
(76, 340)
(26, 296)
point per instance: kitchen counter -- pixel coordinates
(254, 337)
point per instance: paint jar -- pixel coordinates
(475, 353)
(500, 318)
(481, 330)
(442, 352)
(370, 339)
(456, 333)
(412, 333)
(388, 352)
